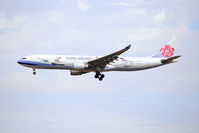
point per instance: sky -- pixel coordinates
(163, 99)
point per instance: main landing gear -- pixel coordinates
(34, 73)
(99, 76)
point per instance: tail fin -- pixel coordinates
(168, 49)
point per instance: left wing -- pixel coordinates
(103, 61)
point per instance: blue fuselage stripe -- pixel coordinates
(33, 63)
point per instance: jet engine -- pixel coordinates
(79, 66)
(74, 72)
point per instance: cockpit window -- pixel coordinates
(24, 58)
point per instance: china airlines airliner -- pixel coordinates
(79, 65)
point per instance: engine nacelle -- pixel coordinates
(74, 72)
(79, 66)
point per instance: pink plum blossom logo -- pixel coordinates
(167, 51)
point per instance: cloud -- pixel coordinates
(137, 11)
(159, 32)
(81, 117)
(125, 3)
(56, 16)
(3, 21)
(145, 33)
(19, 33)
(83, 5)
(19, 20)
(128, 3)
(60, 82)
(13, 22)
(160, 17)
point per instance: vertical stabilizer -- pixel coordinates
(167, 50)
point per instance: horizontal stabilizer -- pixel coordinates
(170, 60)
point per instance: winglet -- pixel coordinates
(128, 47)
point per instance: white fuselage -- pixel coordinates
(78, 63)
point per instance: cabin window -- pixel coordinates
(45, 60)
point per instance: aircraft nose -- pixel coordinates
(20, 61)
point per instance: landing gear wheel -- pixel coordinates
(34, 72)
(100, 79)
(96, 76)
(99, 76)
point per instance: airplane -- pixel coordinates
(79, 65)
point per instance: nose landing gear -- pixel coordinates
(99, 76)
(34, 73)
